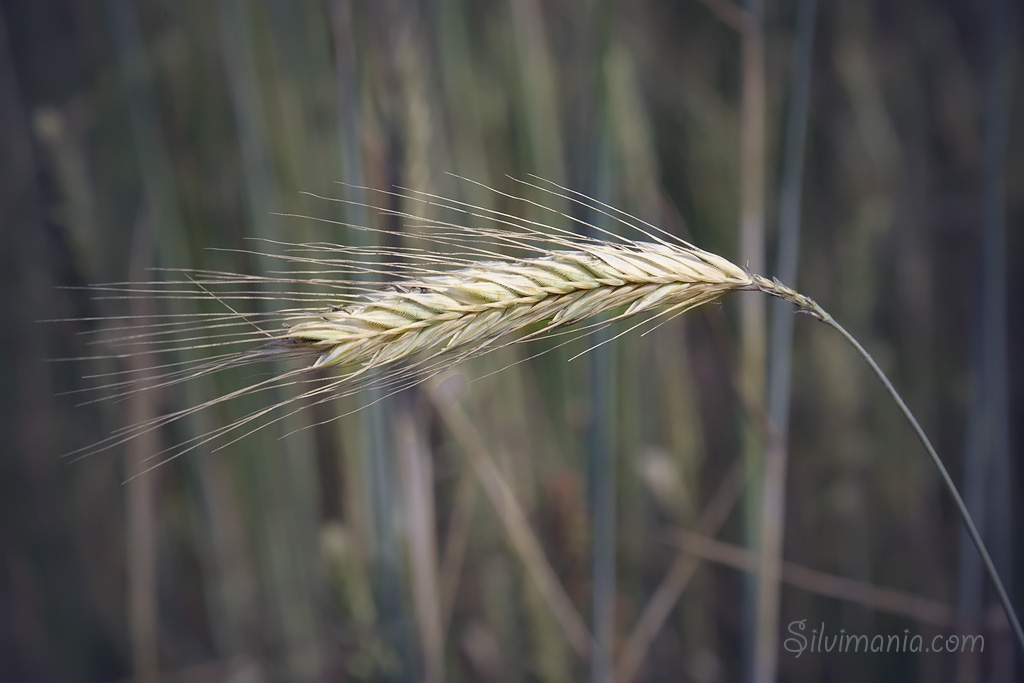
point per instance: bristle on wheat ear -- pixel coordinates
(460, 297)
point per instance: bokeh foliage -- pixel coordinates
(143, 134)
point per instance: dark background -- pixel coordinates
(139, 134)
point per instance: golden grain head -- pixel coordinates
(388, 318)
(498, 298)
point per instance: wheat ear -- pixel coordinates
(473, 306)
(443, 307)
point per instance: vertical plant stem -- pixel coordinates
(162, 221)
(384, 562)
(1004, 528)
(418, 489)
(751, 253)
(603, 467)
(376, 451)
(776, 457)
(453, 558)
(591, 152)
(284, 487)
(142, 499)
(988, 428)
(601, 436)
(377, 465)
(987, 453)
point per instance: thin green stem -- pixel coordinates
(972, 531)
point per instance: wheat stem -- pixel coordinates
(965, 516)
(807, 305)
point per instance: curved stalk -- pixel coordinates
(947, 481)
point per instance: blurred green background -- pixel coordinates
(624, 544)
